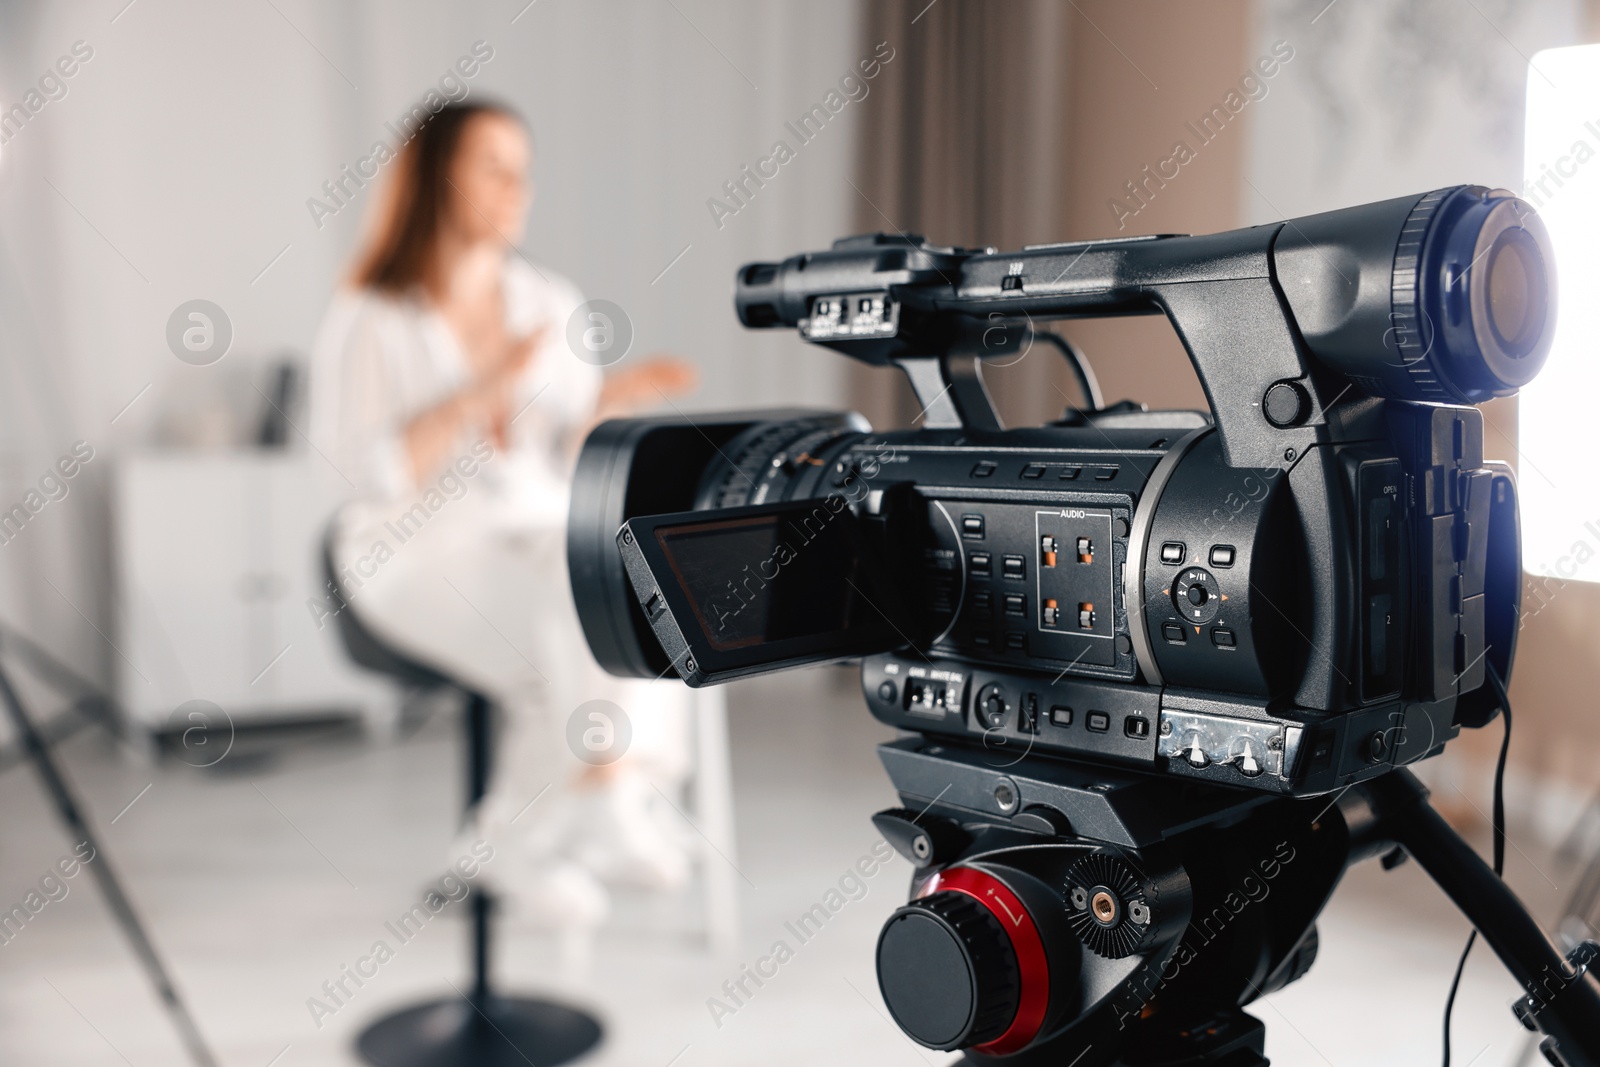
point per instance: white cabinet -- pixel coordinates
(216, 558)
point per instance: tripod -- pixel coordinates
(1560, 998)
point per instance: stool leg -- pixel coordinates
(477, 748)
(482, 1029)
(477, 785)
(480, 948)
(713, 802)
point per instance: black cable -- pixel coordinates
(1087, 383)
(1499, 820)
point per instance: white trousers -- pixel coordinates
(480, 593)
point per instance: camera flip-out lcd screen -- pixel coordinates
(770, 586)
(749, 584)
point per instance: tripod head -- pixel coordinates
(1062, 914)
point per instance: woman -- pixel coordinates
(444, 392)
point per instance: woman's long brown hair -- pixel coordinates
(399, 254)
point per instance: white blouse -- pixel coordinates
(379, 361)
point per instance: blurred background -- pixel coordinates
(196, 153)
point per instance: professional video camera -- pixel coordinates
(1133, 648)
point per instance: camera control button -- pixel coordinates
(1173, 632)
(1285, 404)
(1223, 637)
(1196, 596)
(1222, 555)
(1172, 552)
(983, 470)
(991, 706)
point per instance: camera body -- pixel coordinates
(1300, 589)
(1130, 649)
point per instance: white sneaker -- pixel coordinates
(530, 871)
(626, 840)
(561, 897)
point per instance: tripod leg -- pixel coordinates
(1564, 1005)
(121, 907)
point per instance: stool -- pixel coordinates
(483, 1028)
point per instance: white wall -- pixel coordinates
(1389, 97)
(190, 142)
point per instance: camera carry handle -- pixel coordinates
(951, 391)
(1219, 291)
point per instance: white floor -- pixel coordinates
(262, 880)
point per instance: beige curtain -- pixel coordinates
(962, 143)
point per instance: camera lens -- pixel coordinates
(1445, 298)
(1515, 292)
(1482, 293)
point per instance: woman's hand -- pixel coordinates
(485, 404)
(642, 385)
(496, 389)
(498, 384)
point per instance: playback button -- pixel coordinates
(1196, 595)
